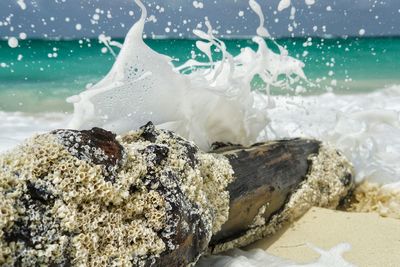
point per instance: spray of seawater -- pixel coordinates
(204, 102)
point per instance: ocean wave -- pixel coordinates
(18, 126)
(366, 127)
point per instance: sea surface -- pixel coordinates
(39, 75)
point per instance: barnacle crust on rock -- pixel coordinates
(90, 198)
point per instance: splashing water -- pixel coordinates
(366, 130)
(205, 102)
(283, 4)
(261, 30)
(21, 4)
(213, 101)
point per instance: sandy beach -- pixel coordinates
(374, 240)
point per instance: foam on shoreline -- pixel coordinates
(372, 197)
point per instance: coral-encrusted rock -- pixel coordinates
(87, 198)
(97, 145)
(151, 198)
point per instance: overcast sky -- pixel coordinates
(89, 18)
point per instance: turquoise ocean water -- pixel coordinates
(38, 75)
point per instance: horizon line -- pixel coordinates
(239, 37)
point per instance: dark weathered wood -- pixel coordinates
(265, 173)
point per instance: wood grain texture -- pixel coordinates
(265, 174)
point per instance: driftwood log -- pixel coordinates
(267, 174)
(151, 198)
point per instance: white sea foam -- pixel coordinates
(16, 127)
(260, 258)
(205, 102)
(213, 101)
(366, 127)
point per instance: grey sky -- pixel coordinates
(58, 18)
